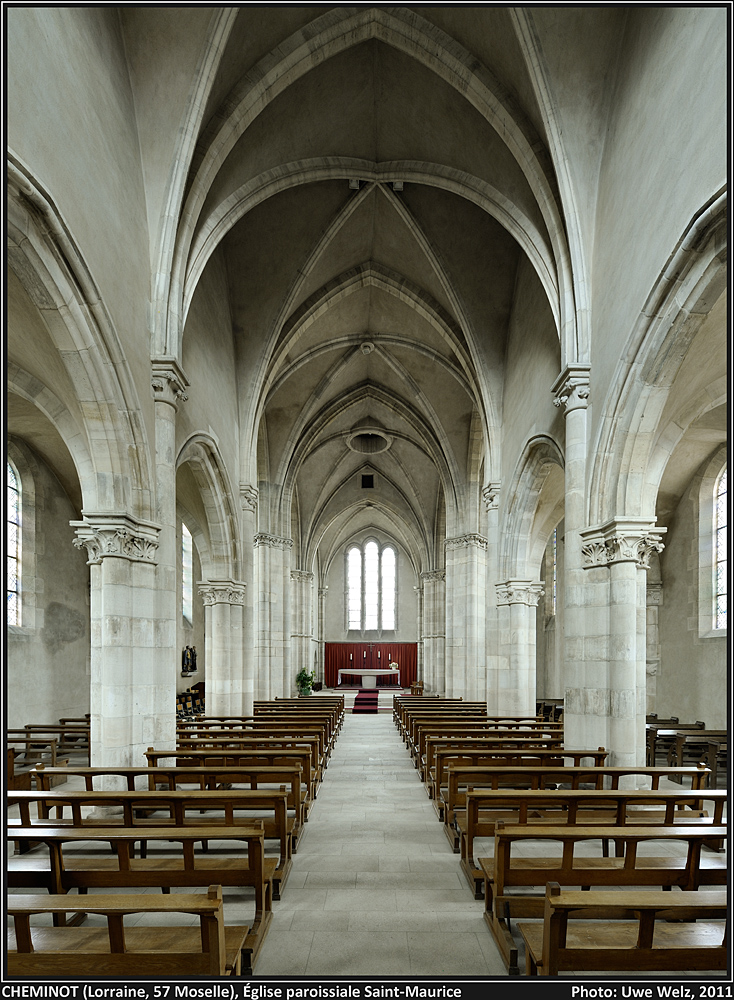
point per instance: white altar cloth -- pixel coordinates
(367, 675)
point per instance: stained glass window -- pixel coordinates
(13, 540)
(187, 575)
(371, 587)
(721, 562)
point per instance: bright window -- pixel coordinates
(13, 540)
(187, 574)
(554, 560)
(371, 587)
(720, 549)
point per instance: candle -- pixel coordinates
(350, 656)
(365, 654)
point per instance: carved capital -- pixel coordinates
(519, 592)
(571, 388)
(301, 576)
(221, 592)
(630, 539)
(434, 576)
(272, 541)
(248, 498)
(491, 496)
(466, 541)
(117, 535)
(169, 381)
(654, 595)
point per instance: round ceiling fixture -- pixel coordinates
(368, 441)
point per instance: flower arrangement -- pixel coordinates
(393, 665)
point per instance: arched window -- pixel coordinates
(720, 553)
(371, 587)
(13, 545)
(187, 574)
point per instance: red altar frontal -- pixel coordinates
(371, 656)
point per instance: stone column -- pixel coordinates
(491, 496)
(302, 620)
(465, 611)
(434, 631)
(223, 603)
(654, 600)
(248, 503)
(571, 391)
(516, 604)
(132, 687)
(320, 672)
(624, 545)
(273, 556)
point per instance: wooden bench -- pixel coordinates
(692, 745)
(433, 774)
(209, 949)
(659, 737)
(253, 776)
(69, 738)
(631, 932)
(252, 757)
(258, 742)
(609, 808)
(506, 872)
(461, 777)
(137, 807)
(64, 868)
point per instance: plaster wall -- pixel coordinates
(48, 654)
(692, 677)
(666, 100)
(70, 114)
(533, 362)
(209, 363)
(335, 624)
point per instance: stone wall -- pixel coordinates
(48, 654)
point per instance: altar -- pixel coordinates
(369, 676)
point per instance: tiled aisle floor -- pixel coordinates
(375, 889)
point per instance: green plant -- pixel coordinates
(304, 680)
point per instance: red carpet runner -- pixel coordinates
(365, 702)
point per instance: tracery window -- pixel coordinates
(371, 587)
(13, 545)
(187, 574)
(720, 550)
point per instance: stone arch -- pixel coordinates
(32, 389)
(43, 254)
(221, 558)
(686, 289)
(531, 509)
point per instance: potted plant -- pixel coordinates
(304, 681)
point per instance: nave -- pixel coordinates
(375, 889)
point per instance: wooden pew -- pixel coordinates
(256, 756)
(135, 808)
(260, 741)
(64, 868)
(210, 949)
(659, 737)
(505, 872)
(460, 777)
(609, 808)
(69, 738)
(632, 932)
(693, 745)
(201, 778)
(530, 757)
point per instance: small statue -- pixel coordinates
(188, 661)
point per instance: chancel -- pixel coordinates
(386, 348)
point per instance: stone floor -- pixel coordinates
(375, 889)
